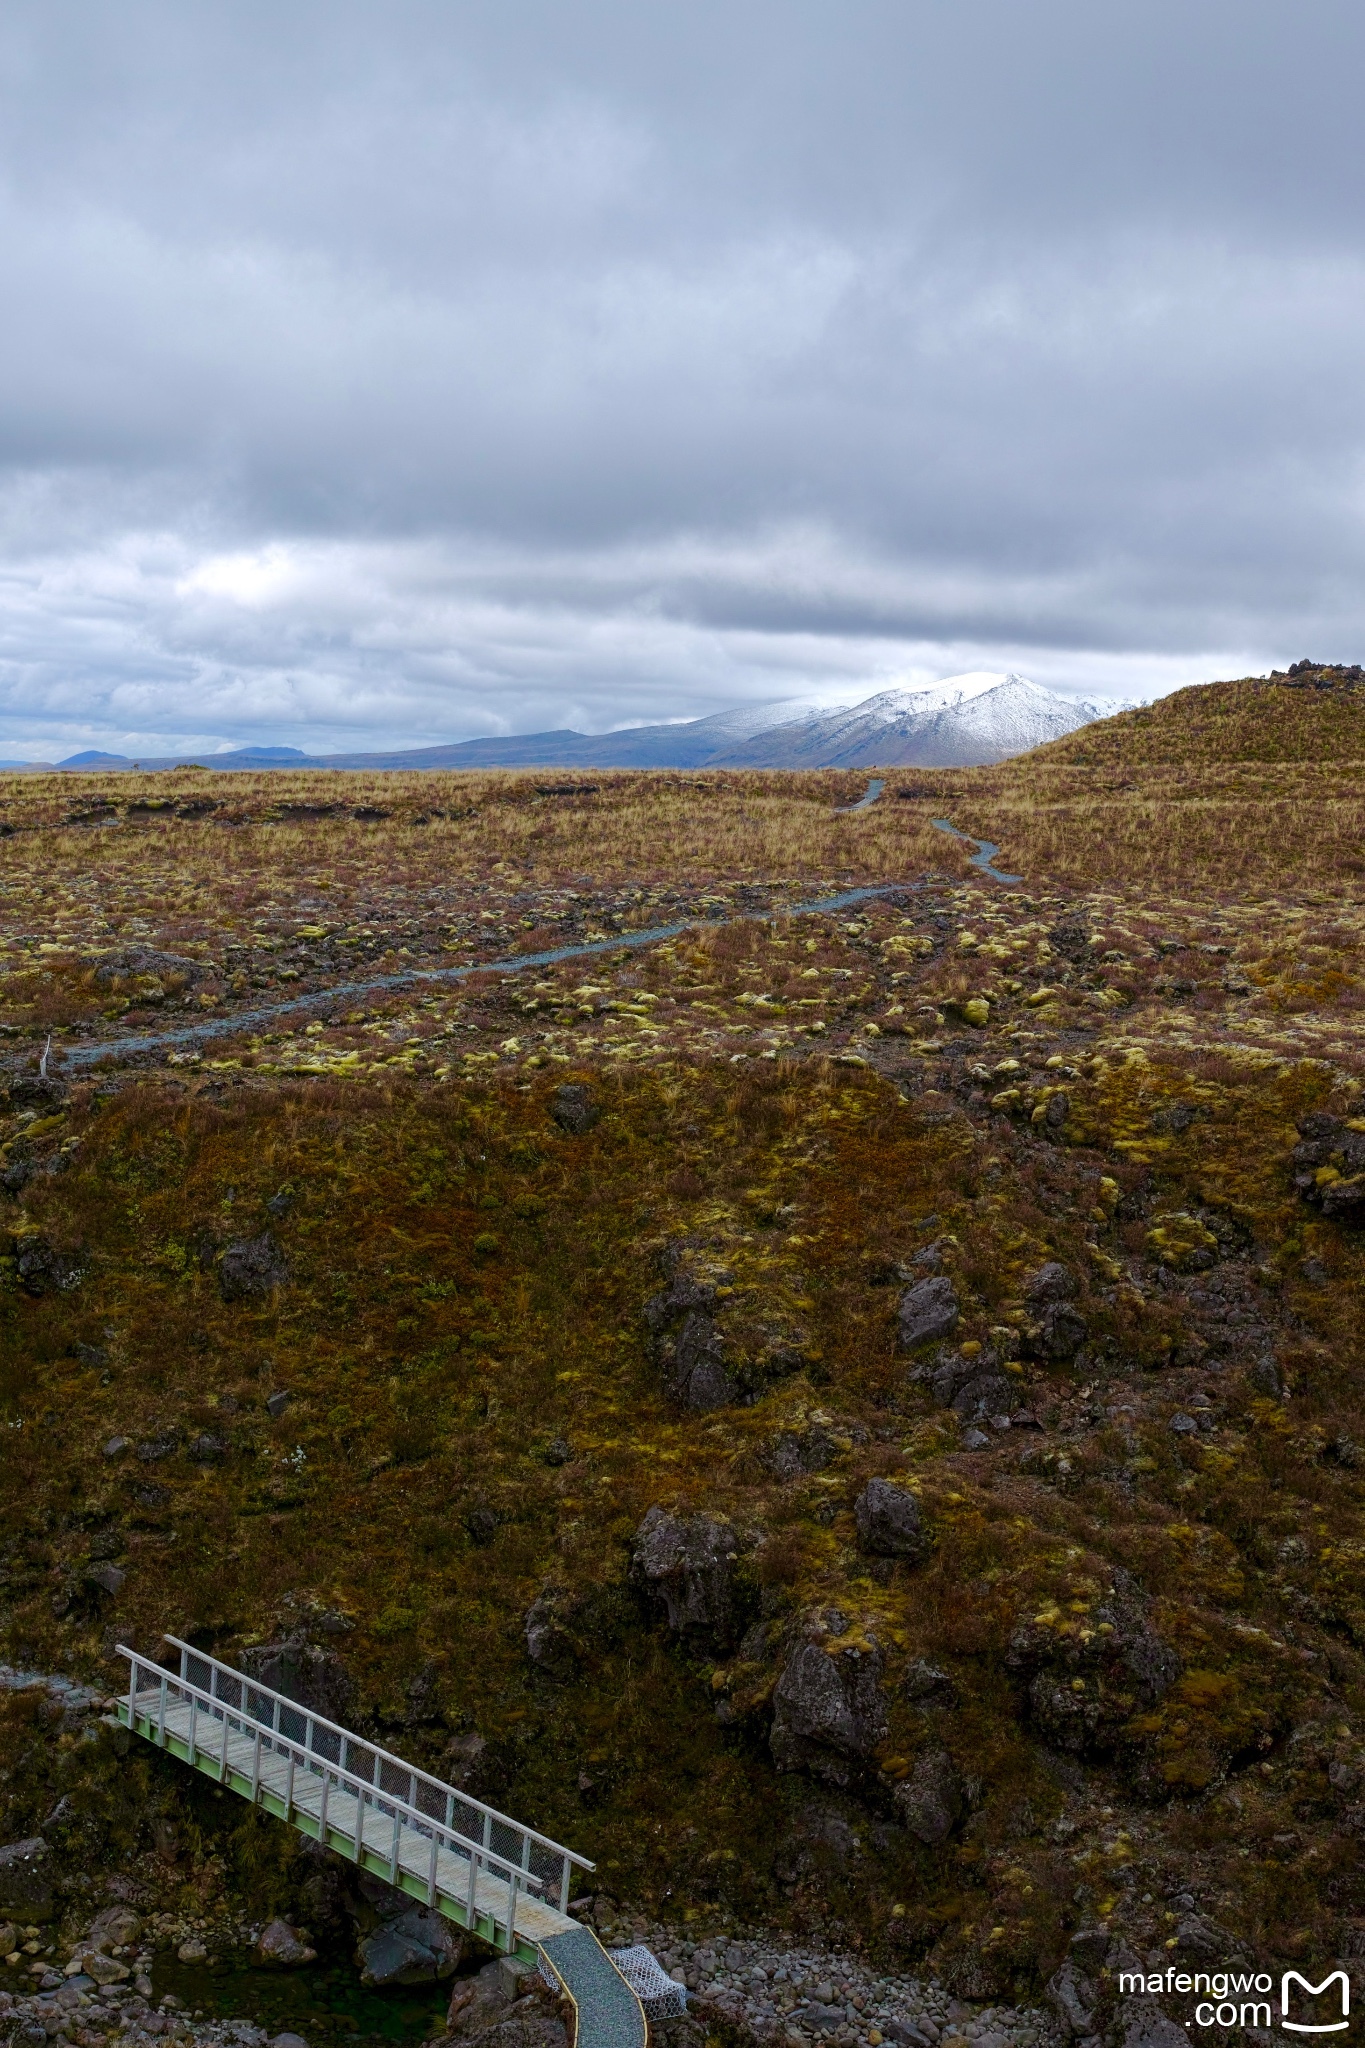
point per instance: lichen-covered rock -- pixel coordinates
(688, 1565)
(828, 1710)
(1329, 1165)
(252, 1268)
(931, 1802)
(928, 1310)
(889, 1521)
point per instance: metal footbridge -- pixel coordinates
(489, 1874)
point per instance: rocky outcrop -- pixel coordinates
(1060, 1329)
(828, 1710)
(317, 1679)
(689, 1565)
(252, 1269)
(1088, 1674)
(889, 1521)
(928, 1310)
(931, 1802)
(686, 1341)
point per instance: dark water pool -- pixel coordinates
(325, 2002)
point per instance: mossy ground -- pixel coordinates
(808, 1104)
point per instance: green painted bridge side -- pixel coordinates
(304, 1824)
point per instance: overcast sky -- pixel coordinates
(374, 374)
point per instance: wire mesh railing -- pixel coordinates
(214, 1708)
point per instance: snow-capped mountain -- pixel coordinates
(962, 722)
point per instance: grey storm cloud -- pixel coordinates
(380, 374)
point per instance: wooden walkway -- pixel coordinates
(503, 1882)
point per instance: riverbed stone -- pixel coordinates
(25, 1885)
(280, 1945)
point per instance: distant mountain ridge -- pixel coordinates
(962, 722)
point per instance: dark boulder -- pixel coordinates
(550, 1642)
(689, 1565)
(1329, 1166)
(889, 1521)
(797, 1454)
(42, 1268)
(25, 1880)
(974, 1388)
(418, 1947)
(1052, 1282)
(573, 1109)
(828, 1710)
(931, 1802)
(43, 1092)
(928, 1310)
(252, 1269)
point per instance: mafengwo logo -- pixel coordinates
(1245, 1998)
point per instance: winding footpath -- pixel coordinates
(76, 1057)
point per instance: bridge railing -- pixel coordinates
(519, 1857)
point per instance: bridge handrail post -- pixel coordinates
(132, 1694)
(393, 1856)
(565, 1872)
(256, 1769)
(161, 1712)
(194, 1747)
(289, 1793)
(322, 1810)
(431, 1874)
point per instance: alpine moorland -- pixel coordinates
(850, 1417)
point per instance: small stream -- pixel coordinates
(325, 2001)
